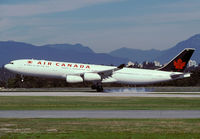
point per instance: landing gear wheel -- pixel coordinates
(99, 89)
(93, 86)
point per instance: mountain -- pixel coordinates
(136, 55)
(161, 56)
(192, 42)
(11, 50)
(70, 47)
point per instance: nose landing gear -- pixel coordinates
(22, 78)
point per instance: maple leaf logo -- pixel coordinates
(179, 64)
(29, 62)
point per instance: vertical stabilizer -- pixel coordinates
(179, 63)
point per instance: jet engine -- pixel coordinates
(92, 77)
(74, 79)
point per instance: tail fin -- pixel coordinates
(179, 63)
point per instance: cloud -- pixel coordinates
(149, 29)
(44, 7)
(183, 4)
(150, 19)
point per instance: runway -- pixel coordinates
(105, 94)
(100, 114)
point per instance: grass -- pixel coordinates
(100, 128)
(96, 103)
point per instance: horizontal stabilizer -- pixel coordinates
(177, 76)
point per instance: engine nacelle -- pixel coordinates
(92, 77)
(74, 79)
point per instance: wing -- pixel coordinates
(107, 73)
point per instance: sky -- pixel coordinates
(103, 25)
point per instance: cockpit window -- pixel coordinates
(11, 63)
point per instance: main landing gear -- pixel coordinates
(98, 87)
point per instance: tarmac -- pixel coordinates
(102, 113)
(105, 94)
(137, 114)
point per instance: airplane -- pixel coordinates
(99, 74)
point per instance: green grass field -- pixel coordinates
(97, 103)
(100, 128)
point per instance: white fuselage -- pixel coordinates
(43, 68)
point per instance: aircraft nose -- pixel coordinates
(7, 66)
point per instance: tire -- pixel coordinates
(99, 89)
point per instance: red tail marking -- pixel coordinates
(179, 64)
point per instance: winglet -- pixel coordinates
(121, 66)
(179, 63)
